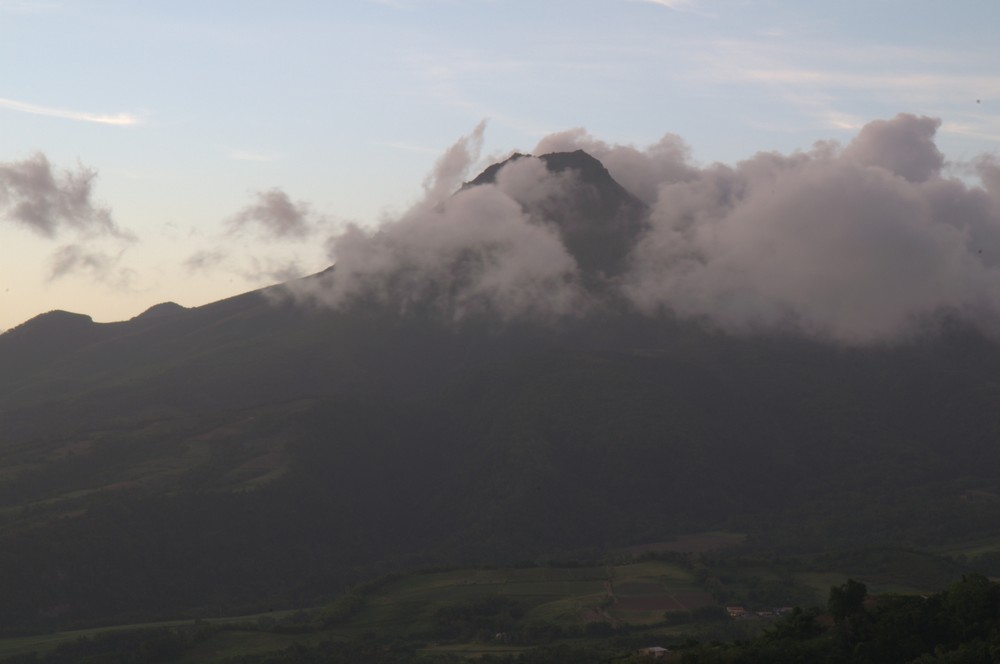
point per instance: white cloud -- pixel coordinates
(408, 147)
(676, 5)
(685, 6)
(119, 119)
(243, 155)
(28, 6)
(829, 81)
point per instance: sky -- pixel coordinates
(188, 151)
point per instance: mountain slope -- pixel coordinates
(597, 219)
(256, 451)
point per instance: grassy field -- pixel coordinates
(43, 643)
(644, 591)
(239, 643)
(409, 607)
(568, 600)
(970, 548)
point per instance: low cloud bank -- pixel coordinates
(460, 254)
(860, 244)
(864, 243)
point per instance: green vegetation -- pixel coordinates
(496, 615)
(961, 624)
(252, 455)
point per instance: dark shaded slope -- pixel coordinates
(557, 447)
(253, 452)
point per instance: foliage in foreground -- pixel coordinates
(958, 626)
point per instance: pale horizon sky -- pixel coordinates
(200, 150)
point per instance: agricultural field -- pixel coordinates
(411, 605)
(237, 629)
(463, 611)
(472, 612)
(645, 590)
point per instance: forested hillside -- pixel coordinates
(265, 450)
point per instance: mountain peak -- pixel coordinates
(61, 327)
(161, 310)
(589, 168)
(597, 219)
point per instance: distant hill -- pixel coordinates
(162, 309)
(257, 451)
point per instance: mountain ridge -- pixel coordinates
(264, 449)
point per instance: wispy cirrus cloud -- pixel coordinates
(118, 119)
(916, 84)
(413, 4)
(830, 82)
(408, 147)
(102, 266)
(676, 5)
(244, 155)
(28, 6)
(685, 6)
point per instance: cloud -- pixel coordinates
(408, 147)
(100, 266)
(34, 195)
(119, 119)
(276, 216)
(28, 6)
(822, 80)
(203, 261)
(903, 145)
(865, 243)
(453, 166)
(272, 217)
(413, 4)
(271, 270)
(51, 204)
(642, 172)
(676, 5)
(243, 155)
(862, 244)
(459, 254)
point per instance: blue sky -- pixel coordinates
(186, 113)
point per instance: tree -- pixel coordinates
(847, 600)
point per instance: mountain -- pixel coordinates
(259, 451)
(597, 219)
(162, 309)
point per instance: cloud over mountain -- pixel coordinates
(475, 251)
(863, 243)
(859, 244)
